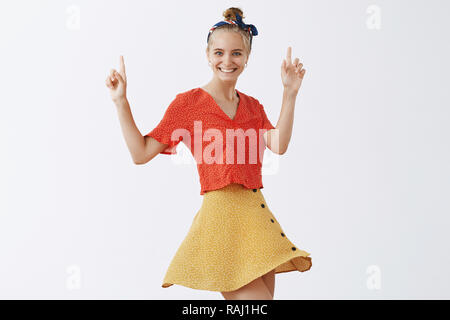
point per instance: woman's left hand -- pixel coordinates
(292, 73)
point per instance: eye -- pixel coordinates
(238, 53)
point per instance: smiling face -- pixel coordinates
(227, 52)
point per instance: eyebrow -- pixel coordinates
(231, 50)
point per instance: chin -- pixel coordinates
(231, 79)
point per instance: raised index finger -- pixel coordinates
(288, 56)
(122, 66)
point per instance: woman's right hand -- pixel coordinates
(117, 82)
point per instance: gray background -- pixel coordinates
(363, 187)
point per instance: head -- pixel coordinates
(228, 48)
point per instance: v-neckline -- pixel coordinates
(220, 109)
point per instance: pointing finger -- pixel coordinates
(122, 67)
(288, 56)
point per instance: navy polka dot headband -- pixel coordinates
(247, 27)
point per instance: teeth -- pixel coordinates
(226, 70)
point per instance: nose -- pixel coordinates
(227, 59)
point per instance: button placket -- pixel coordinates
(263, 206)
(273, 221)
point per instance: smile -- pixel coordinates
(228, 71)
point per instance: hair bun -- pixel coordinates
(230, 13)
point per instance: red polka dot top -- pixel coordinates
(226, 150)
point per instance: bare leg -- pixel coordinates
(269, 280)
(255, 290)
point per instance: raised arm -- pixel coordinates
(142, 149)
(292, 77)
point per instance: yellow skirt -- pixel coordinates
(234, 239)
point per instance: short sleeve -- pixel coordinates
(171, 128)
(266, 124)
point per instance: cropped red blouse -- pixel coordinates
(226, 150)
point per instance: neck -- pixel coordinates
(223, 90)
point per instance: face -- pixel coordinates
(227, 53)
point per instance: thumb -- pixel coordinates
(119, 77)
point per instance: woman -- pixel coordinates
(235, 245)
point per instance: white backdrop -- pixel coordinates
(363, 187)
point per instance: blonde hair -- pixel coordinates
(230, 14)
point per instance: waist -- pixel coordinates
(230, 192)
